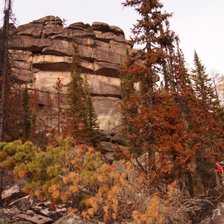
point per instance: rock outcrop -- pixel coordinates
(24, 210)
(42, 51)
(217, 216)
(74, 219)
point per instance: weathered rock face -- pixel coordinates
(217, 216)
(74, 219)
(42, 51)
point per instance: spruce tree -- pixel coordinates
(26, 113)
(77, 98)
(208, 99)
(84, 125)
(171, 121)
(58, 87)
(129, 106)
(201, 128)
(152, 61)
(5, 69)
(203, 86)
(91, 122)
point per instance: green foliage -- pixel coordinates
(174, 136)
(79, 177)
(84, 120)
(90, 121)
(77, 98)
(129, 107)
(59, 88)
(15, 153)
(39, 167)
(27, 119)
(76, 91)
(11, 147)
(203, 88)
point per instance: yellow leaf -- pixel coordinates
(65, 196)
(72, 175)
(136, 216)
(56, 194)
(115, 189)
(115, 206)
(106, 208)
(3, 155)
(6, 164)
(85, 215)
(72, 210)
(100, 178)
(45, 187)
(93, 203)
(37, 193)
(52, 188)
(21, 174)
(114, 216)
(90, 212)
(73, 188)
(65, 180)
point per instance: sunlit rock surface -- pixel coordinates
(42, 51)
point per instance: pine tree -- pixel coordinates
(203, 86)
(129, 106)
(4, 76)
(77, 98)
(85, 126)
(152, 61)
(201, 130)
(91, 122)
(208, 99)
(170, 122)
(26, 113)
(5, 68)
(181, 74)
(58, 87)
(150, 35)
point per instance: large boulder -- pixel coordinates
(59, 47)
(27, 43)
(74, 219)
(104, 27)
(6, 216)
(31, 30)
(78, 26)
(117, 30)
(48, 20)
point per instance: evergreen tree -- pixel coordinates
(201, 130)
(169, 123)
(77, 98)
(208, 99)
(203, 86)
(130, 96)
(58, 87)
(150, 62)
(91, 122)
(150, 35)
(181, 74)
(5, 69)
(84, 125)
(26, 113)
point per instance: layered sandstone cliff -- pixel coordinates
(42, 52)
